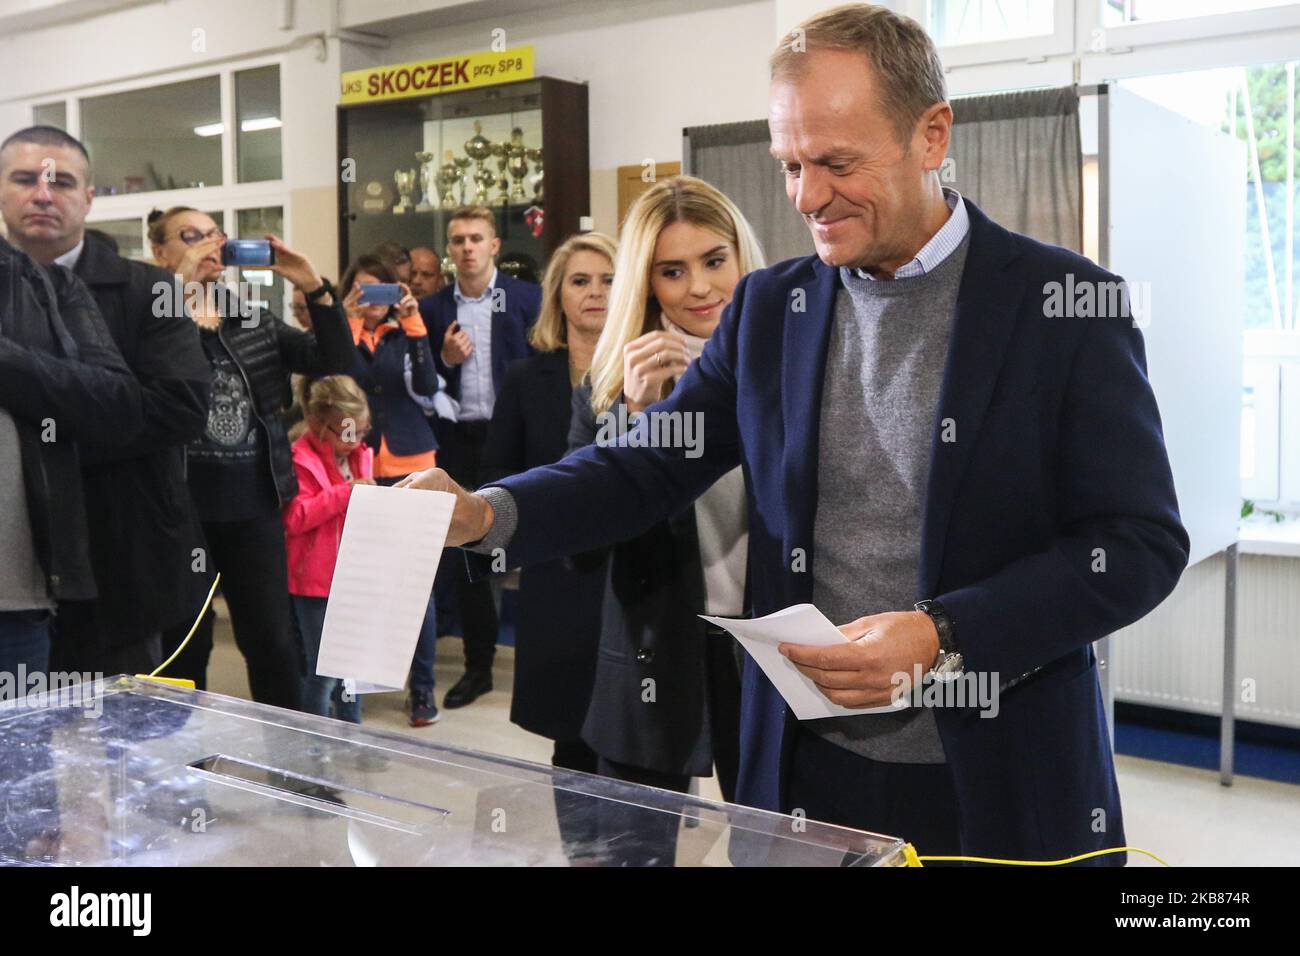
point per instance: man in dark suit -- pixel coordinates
(477, 326)
(138, 512)
(979, 490)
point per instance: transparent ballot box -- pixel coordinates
(133, 772)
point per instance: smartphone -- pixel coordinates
(380, 293)
(247, 252)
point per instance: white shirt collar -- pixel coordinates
(69, 258)
(487, 291)
(941, 245)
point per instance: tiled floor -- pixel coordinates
(1180, 813)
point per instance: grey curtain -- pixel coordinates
(1017, 156)
(734, 157)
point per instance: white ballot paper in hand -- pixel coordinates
(797, 624)
(392, 540)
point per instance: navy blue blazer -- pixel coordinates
(521, 303)
(1058, 453)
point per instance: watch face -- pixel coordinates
(950, 668)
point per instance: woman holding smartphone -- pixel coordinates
(666, 699)
(391, 343)
(240, 471)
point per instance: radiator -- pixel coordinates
(1174, 656)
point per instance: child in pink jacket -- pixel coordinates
(329, 458)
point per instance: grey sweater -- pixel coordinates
(884, 366)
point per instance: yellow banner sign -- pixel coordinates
(446, 75)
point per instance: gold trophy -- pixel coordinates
(517, 162)
(502, 152)
(427, 175)
(479, 148)
(405, 180)
(448, 179)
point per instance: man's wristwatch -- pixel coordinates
(949, 662)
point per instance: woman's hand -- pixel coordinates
(296, 268)
(188, 267)
(649, 362)
(408, 305)
(352, 301)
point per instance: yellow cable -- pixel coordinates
(197, 621)
(910, 855)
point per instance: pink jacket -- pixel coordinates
(313, 521)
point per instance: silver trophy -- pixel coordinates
(405, 180)
(462, 164)
(535, 157)
(427, 176)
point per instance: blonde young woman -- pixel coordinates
(559, 601)
(666, 699)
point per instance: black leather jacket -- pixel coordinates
(267, 351)
(65, 385)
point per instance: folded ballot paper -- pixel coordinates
(392, 540)
(797, 624)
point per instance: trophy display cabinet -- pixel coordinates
(519, 148)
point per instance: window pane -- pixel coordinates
(254, 224)
(51, 114)
(1219, 98)
(982, 21)
(1116, 12)
(127, 233)
(166, 137)
(257, 105)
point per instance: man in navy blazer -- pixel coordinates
(477, 326)
(1047, 518)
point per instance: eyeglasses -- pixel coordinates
(193, 237)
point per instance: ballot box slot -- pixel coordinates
(394, 813)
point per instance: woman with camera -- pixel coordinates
(392, 348)
(240, 471)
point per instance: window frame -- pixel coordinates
(231, 195)
(1209, 27)
(1032, 49)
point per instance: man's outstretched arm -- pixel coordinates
(605, 493)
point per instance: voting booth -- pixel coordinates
(132, 772)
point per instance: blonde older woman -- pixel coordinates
(559, 602)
